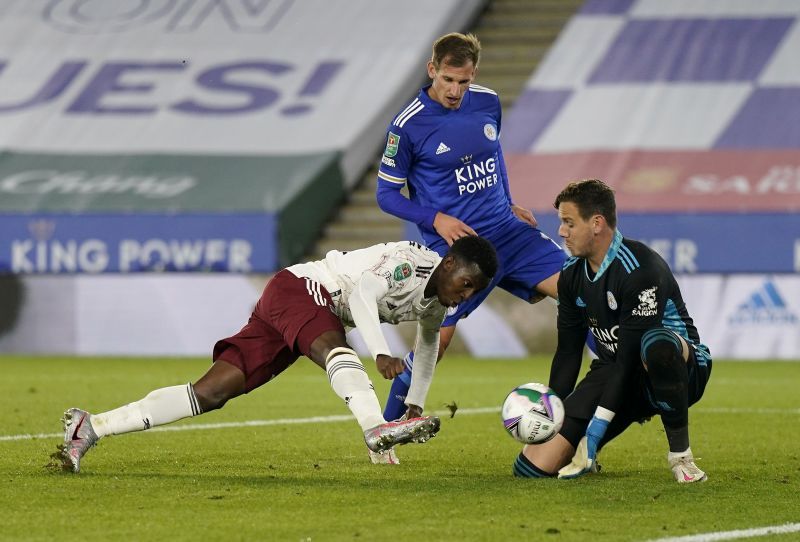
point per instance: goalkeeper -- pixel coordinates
(650, 359)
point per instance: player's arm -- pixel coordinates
(572, 329)
(392, 201)
(636, 316)
(426, 350)
(616, 386)
(368, 290)
(392, 176)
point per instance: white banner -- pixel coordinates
(216, 76)
(739, 316)
(175, 315)
(746, 316)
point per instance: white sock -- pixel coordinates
(673, 455)
(158, 407)
(350, 382)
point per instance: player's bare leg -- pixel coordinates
(221, 383)
(82, 430)
(543, 460)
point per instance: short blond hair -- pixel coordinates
(456, 49)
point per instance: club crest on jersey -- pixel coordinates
(392, 140)
(490, 132)
(402, 271)
(612, 303)
(647, 303)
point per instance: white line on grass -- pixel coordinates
(724, 410)
(734, 535)
(344, 417)
(253, 423)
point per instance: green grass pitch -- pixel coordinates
(314, 482)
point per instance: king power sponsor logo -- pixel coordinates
(43, 252)
(764, 306)
(476, 176)
(607, 338)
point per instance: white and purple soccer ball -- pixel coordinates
(532, 413)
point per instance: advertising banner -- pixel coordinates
(212, 76)
(709, 242)
(703, 243)
(145, 314)
(746, 317)
(90, 243)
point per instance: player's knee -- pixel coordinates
(321, 348)
(661, 350)
(211, 398)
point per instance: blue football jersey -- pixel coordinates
(451, 160)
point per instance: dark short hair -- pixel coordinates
(456, 50)
(591, 197)
(477, 250)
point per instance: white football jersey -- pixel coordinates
(384, 283)
(404, 267)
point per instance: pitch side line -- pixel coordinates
(346, 417)
(253, 423)
(734, 535)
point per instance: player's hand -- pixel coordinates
(388, 366)
(413, 412)
(525, 215)
(585, 458)
(451, 228)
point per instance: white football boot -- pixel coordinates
(382, 437)
(79, 436)
(684, 469)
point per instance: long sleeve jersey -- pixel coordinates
(385, 283)
(452, 162)
(633, 291)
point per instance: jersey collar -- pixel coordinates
(610, 256)
(436, 106)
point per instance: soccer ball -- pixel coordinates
(532, 413)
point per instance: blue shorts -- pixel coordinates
(525, 257)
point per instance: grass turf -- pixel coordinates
(313, 481)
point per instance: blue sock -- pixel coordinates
(396, 402)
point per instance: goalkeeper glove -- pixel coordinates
(585, 458)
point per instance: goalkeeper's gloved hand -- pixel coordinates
(585, 458)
